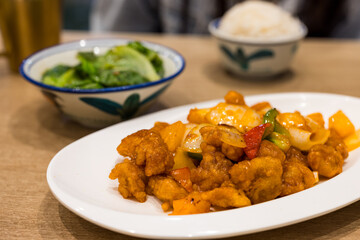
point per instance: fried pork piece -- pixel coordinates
(336, 142)
(326, 160)
(131, 180)
(296, 177)
(295, 155)
(259, 178)
(200, 202)
(268, 148)
(231, 152)
(212, 135)
(165, 189)
(212, 171)
(148, 149)
(226, 197)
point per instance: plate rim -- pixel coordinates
(64, 197)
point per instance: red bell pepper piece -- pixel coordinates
(182, 176)
(253, 139)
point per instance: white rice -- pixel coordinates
(259, 20)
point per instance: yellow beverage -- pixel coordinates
(28, 26)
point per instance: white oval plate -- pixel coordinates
(78, 178)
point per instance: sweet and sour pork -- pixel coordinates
(201, 166)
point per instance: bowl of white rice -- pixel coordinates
(257, 38)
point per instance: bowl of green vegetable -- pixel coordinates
(99, 82)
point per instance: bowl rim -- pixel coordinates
(213, 29)
(27, 60)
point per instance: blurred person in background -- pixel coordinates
(324, 18)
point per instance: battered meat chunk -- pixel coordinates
(336, 142)
(131, 180)
(326, 160)
(147, 148)
(296, 177)
(212, 171)
(259, 178)
(231, 152)
(268, 148)
(226, 197)
(165, 188)
(295, 155)
(212, 136)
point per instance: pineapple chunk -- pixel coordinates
(173, 135)
(182, 160)
(341, 124)
(192, 204)
(318, 118)
(353, 141)
(261, 108)
(198, 115)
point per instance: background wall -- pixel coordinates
(328, 18)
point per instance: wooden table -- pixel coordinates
(32, 131)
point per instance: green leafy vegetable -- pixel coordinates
(120, 66)
(63, 80)
(111, 78)
(151, 55)
(53, 76)
(124, 58)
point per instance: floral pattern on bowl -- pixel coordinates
(126, 110)
(240, 58)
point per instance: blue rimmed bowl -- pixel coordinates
(99, 107)
(256, 57)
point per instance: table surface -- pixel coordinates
(32, 132)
